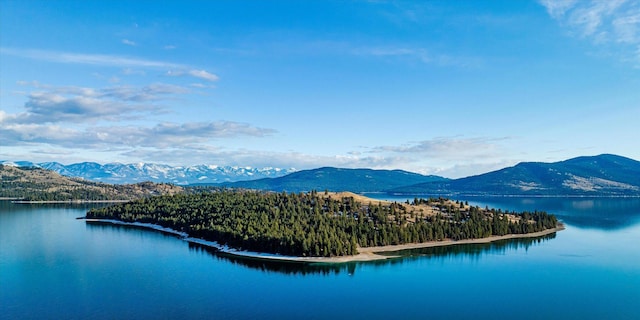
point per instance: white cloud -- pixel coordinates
(184, 136)
(219, 129)
(260, 158)
(17, 134)
(613, 25)
(471, 168)
(452, 157)
(201, 85)
(422, 55)
(557, 8)
(90, 59)
(97, 119)
(169, 142)
(93, 120)
(200, 74)
(594, 18)
(627, 27)
(173, 135)
(129, 64)
(129, 42)
(257, 158)
(130, 71)
(446, 148)
(52, 104)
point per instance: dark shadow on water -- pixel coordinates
(473, 251)
(285, 267)
(444, 253)
(100, 225)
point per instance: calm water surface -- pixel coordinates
(54, 266)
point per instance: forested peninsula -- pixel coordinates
(320, 224)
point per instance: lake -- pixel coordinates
(54, 266)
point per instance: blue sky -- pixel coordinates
(452, 88)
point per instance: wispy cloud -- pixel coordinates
(130, 71)
(201, 85)
(168, 142)
(613, 25)
(90, 59)
(418, 54)
(299, 160)
(112, 118)
(259, 158)
(447, 148)
(200, 74)
(129, 42)
(448, 156)
(403, 12)
(161, 136)
(167, 134)
(128, 64)
(19, 134)
(557, 8)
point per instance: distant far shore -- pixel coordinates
(67, 201)
(364, 254)
(491, 195)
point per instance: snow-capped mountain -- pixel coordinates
(137, 172)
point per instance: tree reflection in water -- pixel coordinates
(473, 251)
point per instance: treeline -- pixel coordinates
(34, 191)
(88, 191)
(63, 194)
(309, 224)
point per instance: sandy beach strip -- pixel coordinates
(364, 254)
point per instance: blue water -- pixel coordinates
(54, 266)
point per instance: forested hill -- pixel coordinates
(603, 175)
(35, 184)
(338, 179)
(319, 224)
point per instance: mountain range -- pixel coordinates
(119, 173)
(602, 175)
(338, 179)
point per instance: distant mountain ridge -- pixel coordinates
(338, 179)
(38, 184)
(602, 175)
(119, 173)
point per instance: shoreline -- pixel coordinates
(364, 254)
(448, 242)
(480, 195)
